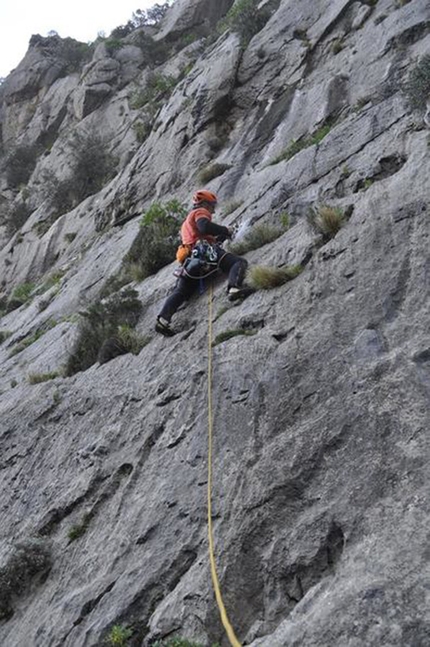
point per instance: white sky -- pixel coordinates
(80, 19)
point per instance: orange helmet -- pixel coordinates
(204, 196)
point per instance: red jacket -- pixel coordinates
(189, 232)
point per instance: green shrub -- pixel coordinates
(257, 237)
(246, 19)
(417, 87)
(327, 220)
(158, 88)
(3, 305)
(29, 562)
(156, 242)
(153, 15)
(138, 99)
(70, 236)
(20, 164)
(38, 378)
(62, 196)
(212, 171)
(142, 131)
(140, 18)
(92, 166)
(100, 322)
(114, 42)
(119, 635)
(17, 216)
(262, 277)
(154, 246)
(75, 54)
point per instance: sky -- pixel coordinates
(80, 19)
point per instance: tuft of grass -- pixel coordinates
(327, 220)
(417, 87)
(70, 236)
(178, 642)
(262, 277)
(294, 147)
(37, 378)
(229, 334)
(79, 529)
(76, 531)
(232, 206)
(31, 339)
(346, 171)
(221, 312)
(51, 280)
(4, 334)
(126, 340)
(21, 294)
(300, 144)
(284, 218)
(257, 237)
(212, 171)
(119, 636)
(337, 46)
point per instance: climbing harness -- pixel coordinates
(201, 263)
(223, 613)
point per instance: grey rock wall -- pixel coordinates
(321, 416)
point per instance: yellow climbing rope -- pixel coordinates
(223, 613)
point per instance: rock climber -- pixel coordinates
(202, 254)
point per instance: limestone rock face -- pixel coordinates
(320, 387)
(193, 15)
(24, 90)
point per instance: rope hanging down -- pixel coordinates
(223, 613)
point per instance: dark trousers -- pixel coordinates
(189, 282)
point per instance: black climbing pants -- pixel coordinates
(189, 282)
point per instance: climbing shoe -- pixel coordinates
(163, 327)
(235, 294)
